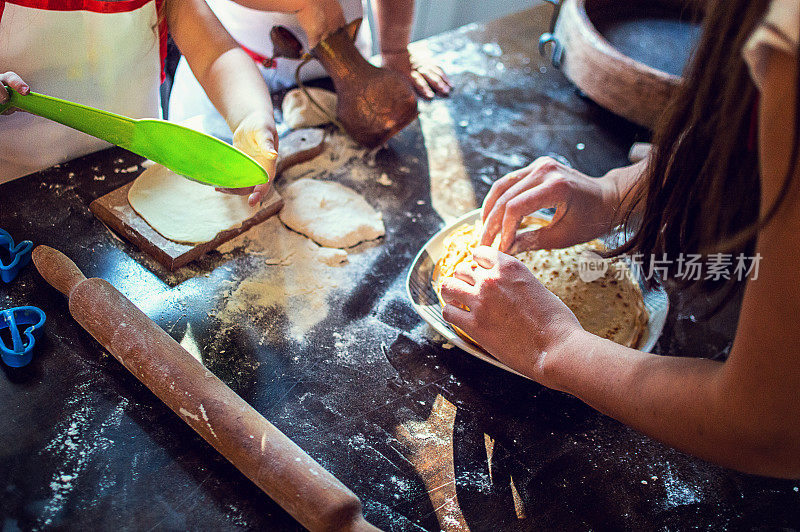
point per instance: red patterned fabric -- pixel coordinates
(266, 62)
(95, 6)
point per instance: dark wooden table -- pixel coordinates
(428, 437)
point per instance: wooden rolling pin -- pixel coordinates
(256, 447)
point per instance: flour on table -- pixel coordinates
(298, 111)
(452, 192)
(331, 256)
(342, 156)
(183, 210)
(287, 273)
(330, 213)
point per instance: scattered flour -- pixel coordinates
(282, 275)
(288, 273)
(340, 150)
(127, 170)
(331, 256)
(78, 438)
(452, 192)
(679, 492)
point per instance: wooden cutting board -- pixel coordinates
(114, 210)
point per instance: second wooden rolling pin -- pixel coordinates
(256, 447)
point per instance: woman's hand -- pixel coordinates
(426, 77)
(257, 137)
(511, 314)
(585, 206)
(15, 82)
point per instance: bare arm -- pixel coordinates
(229, 78)
(395, 18)
(226, 73)
(741, 413)
(626, 181)
(586, 207)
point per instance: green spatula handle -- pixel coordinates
(102, 124)
(185, 151)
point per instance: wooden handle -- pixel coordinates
(256, 447)
(57, 269)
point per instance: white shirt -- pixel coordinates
(250, 28)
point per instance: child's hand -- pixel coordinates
(426, 77)
(257, 137)
(15, 82)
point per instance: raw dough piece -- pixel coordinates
(330, 214)
(185, 211)
(299, 112)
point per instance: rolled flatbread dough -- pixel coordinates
(185, 211)
(330, 214)
(299, 112)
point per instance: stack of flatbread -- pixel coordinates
(607, 303)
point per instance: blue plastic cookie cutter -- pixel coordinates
(20, 352)
(18, 256)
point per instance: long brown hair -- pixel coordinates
(702, 189)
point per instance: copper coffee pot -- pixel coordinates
(373, 104)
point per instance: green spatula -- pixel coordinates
(187, 152)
